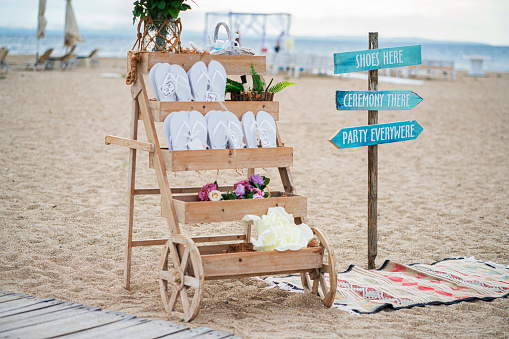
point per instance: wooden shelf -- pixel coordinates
(233, 64)
(213, 159)
(245, 264)
(160, 109)
(190, 210)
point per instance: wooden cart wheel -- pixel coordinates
(317, 282)
(181, 284)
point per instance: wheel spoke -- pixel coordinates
(185, 301)
(191, 281)
(185, 256)
(173, 300)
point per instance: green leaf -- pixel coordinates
(161, 5)
(174, 12)
(280, 86)
(257, 82)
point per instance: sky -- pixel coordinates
(484, 21)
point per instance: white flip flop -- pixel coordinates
(198, 131)
(179, 131)
(266, 129)
(182, 87)
(166, 129)
(250, 128)
(152, 78)
(217, 85)
(217, 125)
(165, 84)
(233, 131)
(199, 81)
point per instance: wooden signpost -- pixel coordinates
(376, 134)
(379, 100)
(373, 100)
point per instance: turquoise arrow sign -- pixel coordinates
(376, 100)
(377, 59)
(376, 134)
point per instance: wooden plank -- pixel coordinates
(374, 59)
(139, 145)
(233, 64)
(22, 320)
(193, 333)
(376, 134)
(161, 109)
(190, 210)
(39, 308)
(214, 335)
(213, 159)
(141, 329)
(10, 297)
(376, 100)
(21, 302)
(131, 183)
(214, 238)
(178, 190)
(149, 242)
(159, 166)
(67, 325)
(216, 266)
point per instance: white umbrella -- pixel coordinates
(41, 22)
(72, 34)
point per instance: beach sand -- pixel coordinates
(63, 200)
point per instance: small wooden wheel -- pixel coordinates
(181, 285)
(324, 286)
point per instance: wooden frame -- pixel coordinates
(184, 265)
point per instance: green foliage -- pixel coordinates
(280, 86)
(258, 84)
(159, 9)
(233, 86)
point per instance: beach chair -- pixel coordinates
(4, 65)
(41, 64)
(186, 261)
(66, 60)
(90, 60)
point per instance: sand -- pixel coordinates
(63, 196)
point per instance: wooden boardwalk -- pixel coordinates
(23, 316)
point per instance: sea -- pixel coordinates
(116, 45)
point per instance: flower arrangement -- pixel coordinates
(159, 9)
(244, 189)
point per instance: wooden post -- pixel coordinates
(372, 166)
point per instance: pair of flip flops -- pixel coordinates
(185, 131)
(170, 82)
(224, 130)
(259, 130)
(207, 83)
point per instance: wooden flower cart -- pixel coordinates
(186, 262)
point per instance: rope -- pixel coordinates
(131, 76)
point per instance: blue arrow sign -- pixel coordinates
(376, 100)
(376, 134)
(377, 59)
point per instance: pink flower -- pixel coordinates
(257, 179)
(210, 187)
(203, 195)
(240, 190)
(258, 191)
(258, 196)
(243, 183)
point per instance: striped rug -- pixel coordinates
(403, 286)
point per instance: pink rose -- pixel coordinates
(203, 195)
(243, 183)
(258, 196)
(258, 191)
(240, 191)
(210, 187)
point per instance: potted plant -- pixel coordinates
(258, 92)
(162, 26)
